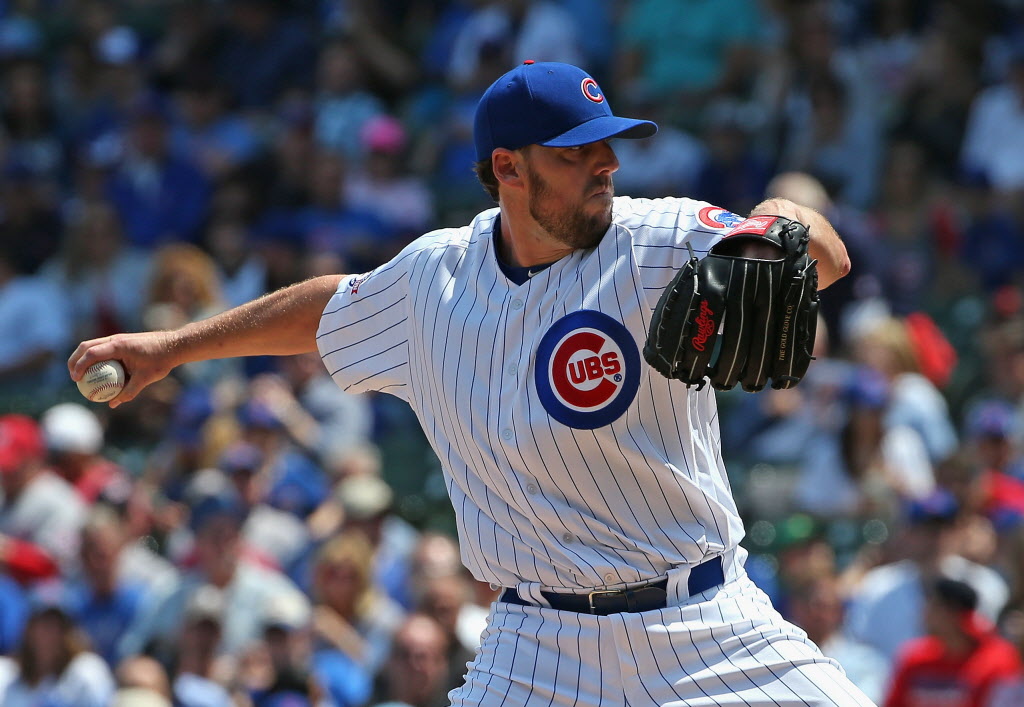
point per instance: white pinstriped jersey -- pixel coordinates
(570, 463)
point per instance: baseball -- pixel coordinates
(102, 381)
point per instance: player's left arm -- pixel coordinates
(826, 245)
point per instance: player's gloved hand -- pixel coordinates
(736, 319)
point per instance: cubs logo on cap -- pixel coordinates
(591, 90)
(715, 217)
(587, 370)
(548, 103)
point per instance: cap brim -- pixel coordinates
(602, 128)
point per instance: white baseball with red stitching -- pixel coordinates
(102, 381)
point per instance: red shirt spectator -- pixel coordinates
(960, 660)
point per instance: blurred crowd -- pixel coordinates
(245, 533)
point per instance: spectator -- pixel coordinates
(732, 171)
(29, 120)
(30, 225)
(343, 104)
(687, 51)
(99, 601)
(884, 344)
(263, 52)
(74, 441)
(416, 672)
(208, 134)
(817, 608)
(325, 422)
(292, 481)
(53, 666)
(444, 599)
(34, 330)
(991, 429)
(184, 286)
(242, 272)
(436, 556)
(520, 30)
(141, 678)
(886, 607)
(286, 644)
(383, 183)
(959, 660)
(333, 223)
(836, 143)
(278, 536)
(39, 507)
(97, 273)
(195, 662)
(160, 197)
(993, 144)
(909, 210)
(14, 609)
(352, 615)
(216, 521)
(666, 163)
(366, 503)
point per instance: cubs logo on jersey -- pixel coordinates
(588, 370)
(715, 217)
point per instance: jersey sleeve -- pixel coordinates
(363, 335)
(665, 230)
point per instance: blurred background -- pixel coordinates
(245, 533)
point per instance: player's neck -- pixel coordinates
(522, 242)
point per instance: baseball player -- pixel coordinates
(585, 484)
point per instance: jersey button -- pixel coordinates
(531, 488)
(511, 370)
(517, 304)
(506, 434)
(568, 537)
(609, 578)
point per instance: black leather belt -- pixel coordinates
(646, 597)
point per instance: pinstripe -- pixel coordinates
(628, 635)
(766, 666)
(661, 432)
(738, 669)
(684, 669)
(370, 337)
(363, 380)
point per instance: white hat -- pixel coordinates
(139, 697)
(364, 496)
(70, 427)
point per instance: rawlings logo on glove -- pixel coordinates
(732, 319)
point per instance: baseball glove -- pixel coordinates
(734, 319)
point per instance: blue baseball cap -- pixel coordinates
(550, 104)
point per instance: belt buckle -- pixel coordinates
(599, 592)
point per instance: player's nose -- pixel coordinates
(605, 159)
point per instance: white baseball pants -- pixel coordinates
(726, 646)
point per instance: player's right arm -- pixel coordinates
(281, 323)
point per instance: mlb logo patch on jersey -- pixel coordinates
(714, 217)
(355, 281)
(587, 370)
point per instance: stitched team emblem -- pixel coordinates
(588, 370)
(591, 90)
(715, 217)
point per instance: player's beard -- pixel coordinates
(569, 225)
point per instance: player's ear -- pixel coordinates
(507, 167)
